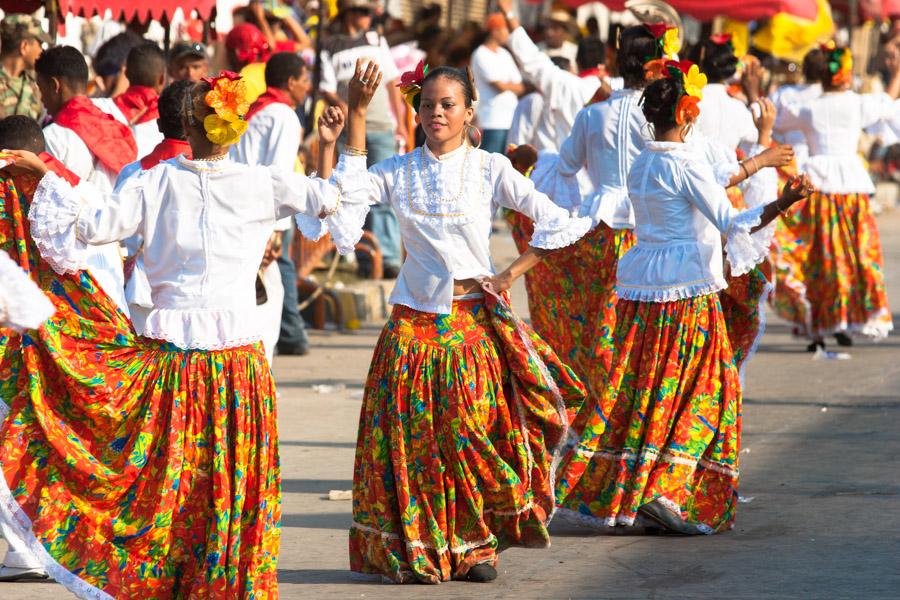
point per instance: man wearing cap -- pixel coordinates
(188, 62)
(340, 50)
(557, 30)
(21, 43)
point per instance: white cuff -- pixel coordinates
(559, 232)
(345, 223)
(22, 303)
(54, 213)
(743, 249)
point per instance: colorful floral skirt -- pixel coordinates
(743, 308)
(666, 427)
(829, 269)
(571, 294)
(462, 423)
(132, 468)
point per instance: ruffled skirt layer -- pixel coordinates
(829, 268)
(462, 422)
(667, 425)
(132, 468)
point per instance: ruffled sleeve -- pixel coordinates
(358, 189)
(553, 226)
(722, 160)
(745, 250)
(877, 107)
(22, 304)
(54, 213)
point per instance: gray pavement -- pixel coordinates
(819, 469)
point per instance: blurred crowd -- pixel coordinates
(132, 63)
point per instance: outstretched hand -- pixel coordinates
(363, 85)
(779, 156)
(331, 123)
(796, 189)
(24, 162)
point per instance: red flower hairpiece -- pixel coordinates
(657, 30)
(414, 77)
(720, 39)
(229, 75)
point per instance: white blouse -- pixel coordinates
(725, 119)
(22, 303)
(445, 207)
(784, 96)
(564, 93)
(205, 226)
(606, 139)
(680, 213)
(832, 125)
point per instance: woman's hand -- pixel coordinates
(778, 156)
(363, 85)
(751, 80)
(24, 162)
(796, 189)
(765, 120)
(498, 283)
(331, 123)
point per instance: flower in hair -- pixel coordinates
(655, 69)
(694, 82)
(687, 109)
(228, 98)
(720, 39)
(411, 84)
(671, 43)
(667, 45)
(840, 63)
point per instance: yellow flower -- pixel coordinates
(228, 98)
(694, 82)
(223, 132)
(671, 44)
(846, 60)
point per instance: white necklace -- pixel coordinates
(430, 185)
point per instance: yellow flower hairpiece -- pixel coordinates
(228, 98)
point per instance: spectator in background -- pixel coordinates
(247, 53)
(351, 39)
(272, 138)
(109, 63)
(146, 73)
(188, 61)
(499, 85)
(21, 37)
(557, 32)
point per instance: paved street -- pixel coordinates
(819, 475)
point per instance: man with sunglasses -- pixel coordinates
(22, 41)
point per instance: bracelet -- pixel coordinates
(338, 202)
(354, 151)
(744, 169)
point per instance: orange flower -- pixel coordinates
(655, 69)
(687, 110)
(228, 98)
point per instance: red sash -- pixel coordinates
(270, 96)
(60, 169)
(138, 104)
(166, 149)
(108, 140)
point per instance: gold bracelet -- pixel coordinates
(354, 151)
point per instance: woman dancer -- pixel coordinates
(151, 462)
(831, 281)
(662, 438)
(464, 406)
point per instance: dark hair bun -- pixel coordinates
(636, 46)
(658, 103)
(716, 60)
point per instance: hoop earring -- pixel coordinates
(686, 131)
(473, 132)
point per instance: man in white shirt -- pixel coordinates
(273, 136)
(92, 144)
(556, 31)
(146, 72)
(499, 85)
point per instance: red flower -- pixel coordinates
(658, 29)
(229, 75)
(720, 39)
(682, 65)
(414, 77)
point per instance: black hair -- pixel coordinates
(65, 63)
(12, 38)
(636, 46)
(658, 103)
(171, 109)
(146, 64)
(591, 52)
(562, 62)
(717, 61)
(283, 66)
(21, 132)
(460, 76)
(113, 54)
(815, 67)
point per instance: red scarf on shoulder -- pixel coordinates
(270, 96)
(27, 183)
(166, 149)
(111, 142)
(139, 104)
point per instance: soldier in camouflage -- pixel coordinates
(22, 41)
